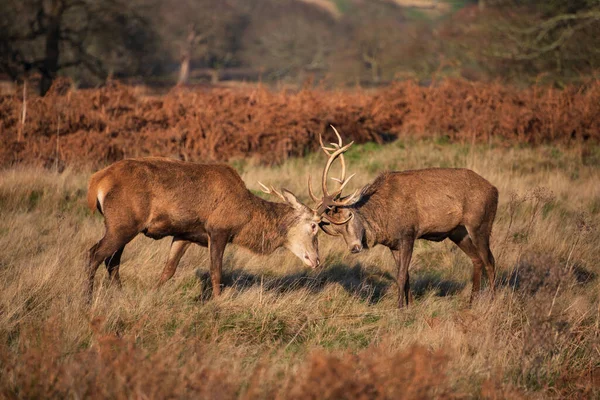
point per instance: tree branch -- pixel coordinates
(92, 63)
(533, 47)
(549, 24)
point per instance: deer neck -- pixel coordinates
(267, 226)
(368, 219)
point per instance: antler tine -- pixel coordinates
(330, 200)
(326, 150)
(336, 222)
(271, 190)
(330, 161)
(344, 183)
(343, 175)
(310, 190)
(337, 134)
(342, 161)
(345, 201)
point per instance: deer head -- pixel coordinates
(301, 234)
(337, 216)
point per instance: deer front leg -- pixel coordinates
(216, 248)
(402, 256)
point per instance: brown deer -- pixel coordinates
(206, 204)
(400, 207)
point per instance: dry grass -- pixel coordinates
(280, 331)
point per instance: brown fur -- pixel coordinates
(207, 204)
(432, 204)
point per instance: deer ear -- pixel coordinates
(292, 200)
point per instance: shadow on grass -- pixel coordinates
(432, 280)
(534, 274)
(370, 284)
(367, 284)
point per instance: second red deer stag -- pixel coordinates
(206, 204)
(401, 207)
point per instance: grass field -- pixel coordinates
(281, 331)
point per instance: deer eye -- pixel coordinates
(313, 226)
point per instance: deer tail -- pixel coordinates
(96, 193)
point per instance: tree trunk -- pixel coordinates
(186, 56)
(49, 67)
(184, 69)
(215, 76)
(373, 66)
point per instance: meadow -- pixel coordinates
(282, 331)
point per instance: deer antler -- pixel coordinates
(335, 221)
(271, 190)
(336, 146)
(333, 199)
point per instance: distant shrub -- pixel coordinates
(107, 124)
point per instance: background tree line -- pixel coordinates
(341, 42)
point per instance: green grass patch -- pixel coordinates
(33, 199)
(255, 328)
(344, 6)
(339, 338)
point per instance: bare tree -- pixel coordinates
(527, 38)
(547, 35)
(376, 43)
(289, 39)
(204, 33)
(48, 36)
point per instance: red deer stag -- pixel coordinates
(400, 207)
(207, 204)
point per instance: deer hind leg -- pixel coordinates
(112, 243)
(402, 258)
(216, 247)
(480, 236)
(481, 240)
(464, 242)
(112, 266)
(178, 249)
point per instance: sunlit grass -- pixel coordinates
(281, 330)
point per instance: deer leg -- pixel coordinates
(94, 261)
(490, 268)
(407, 291)
(481, 240)
(402, 256)
(109, 245)
(112, 266)
(216, 248)
(464, 242)
(178, 248)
